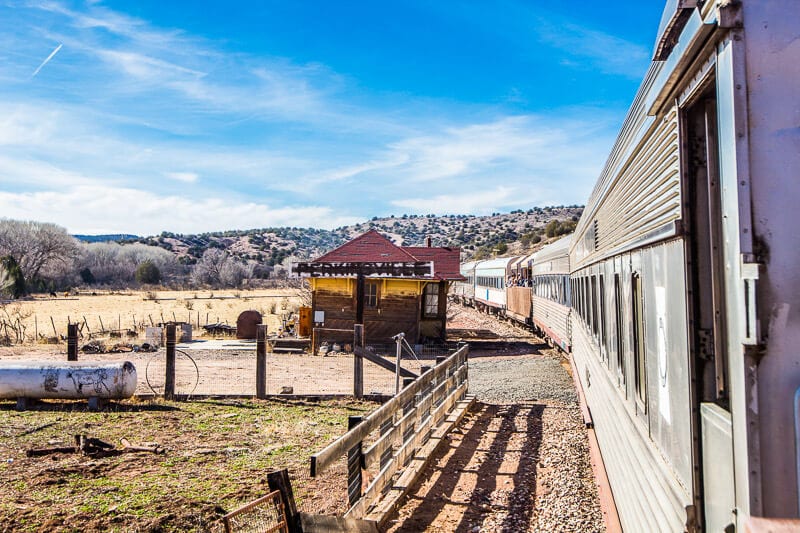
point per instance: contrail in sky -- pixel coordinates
(53, 53)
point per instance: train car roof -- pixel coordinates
(559, 248)
(469, 265)
(500, 262)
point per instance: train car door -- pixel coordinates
(714, 471)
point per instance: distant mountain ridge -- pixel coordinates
(114, 237)
(477, 236)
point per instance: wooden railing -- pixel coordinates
(396, 431)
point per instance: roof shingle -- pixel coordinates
(372, 247)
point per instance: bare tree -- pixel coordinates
(233, 273)
(208, 270)
(37, 246)
(115, 264)
(217, 268)
(284, 269)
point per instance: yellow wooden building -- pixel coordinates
(389, 288)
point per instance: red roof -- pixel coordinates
(446, 261)
(372, 247)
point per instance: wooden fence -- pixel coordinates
(401, 435)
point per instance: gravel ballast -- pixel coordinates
(520, 460)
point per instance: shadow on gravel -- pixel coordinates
(486, 478)
(505, 348)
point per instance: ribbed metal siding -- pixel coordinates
(548, 314)
(643, 200)
(645, 491)
(647, 194)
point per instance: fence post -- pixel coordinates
(426, 392)
(386, 456)
(279, 480)
(169, 378)
(358, 361)
(261, 361)
(72, 342)
(355, 460)
(428, 389)
(410, 404)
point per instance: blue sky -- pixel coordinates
(142, 117)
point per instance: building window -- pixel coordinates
(371, 294)
(431, 300)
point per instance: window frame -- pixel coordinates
(371, 298)
(428, 292)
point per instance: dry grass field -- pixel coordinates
(45, 318)
(216, 456)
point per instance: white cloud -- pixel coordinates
(152, 111)
(596, 49)
(144, 67)
(186, 177)
(97, 209)
(475, 202)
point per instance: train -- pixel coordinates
(677, 298)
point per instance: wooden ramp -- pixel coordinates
(315, 523)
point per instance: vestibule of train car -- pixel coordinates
(705, 267)
(703, 218)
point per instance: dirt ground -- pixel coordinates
(202, 371)
(516, 465)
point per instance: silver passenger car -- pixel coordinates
(551, 297)
(685, 277)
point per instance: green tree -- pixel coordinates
(147, 272)
(87, 276)
(551, 229)
(12, 281)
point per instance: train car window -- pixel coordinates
(572, 287)
(587, 302)
(583, 299)
(618, 318)
(568, 295)
(603, 317)
(593, 292)
(639, 363)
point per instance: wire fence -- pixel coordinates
(231, 370)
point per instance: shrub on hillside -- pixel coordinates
(148, 273)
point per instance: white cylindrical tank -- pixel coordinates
(67, 379)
